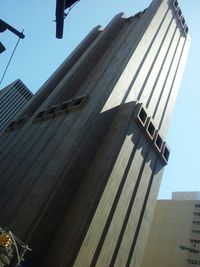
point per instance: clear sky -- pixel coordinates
(40, 53)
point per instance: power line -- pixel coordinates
(10, 59)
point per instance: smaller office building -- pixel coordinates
(12, 98)
(174, 238)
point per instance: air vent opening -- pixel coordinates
(77, 102)
(11, 125)
(64, 105)
(63, 108)
(186, 29)
(51, 110)
(151, 129)
(166, 153)
(158, 142)
(142, 115)
(22, 120)
(183, 21)
(39, 116)
(179, 12)
(175, 4)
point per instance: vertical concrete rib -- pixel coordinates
(151, 58)
(107, 205)
(113, 220)
(53, 81)
(128, 229)
(161, 79)
(60, 73)
(137, 61)
(49, 138)
(33, 165)
(147, 218)
(117, 22)
(167, 81)
(169, 102)
(141, 217)
(70, 84)
(132, 261)
(151, 79)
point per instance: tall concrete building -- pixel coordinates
(174, 238)
(81, 170)
(12, 98)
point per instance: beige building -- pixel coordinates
(174, 238)
(81, 165)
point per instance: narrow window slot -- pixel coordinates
(77, 102)
(166, 153)
(142, 115)
(21, 121)
(10, 126)
(39, 116)
(183, 21)
(158, 142)
(179, 12)
(175, 4)
(63, 108)
(186, 29)
(50, 112)
(151, 129)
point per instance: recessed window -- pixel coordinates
(11, 125)
(166, 153)
(51, 112)
(197, 205)
(77, 102)
(195, 241)
(137, 14)
(20, 122)
(179, 12)
(63, 108)
(175, 4)
(144, 10)
(183, 21)
(194, 231)
(39, 116)
(186, 29)
(151, 129)
(196, 222)
(158, 142)
(64, 105)
(195, 262)
(142, 115)
(194, 251)
(17, 123)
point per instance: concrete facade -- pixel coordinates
(80, 176)
(174, 238)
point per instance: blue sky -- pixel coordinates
(40, 53)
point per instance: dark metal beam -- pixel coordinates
(5, 26)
